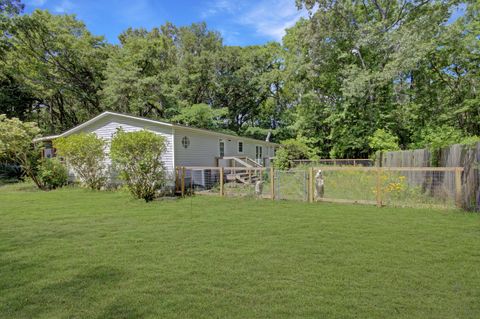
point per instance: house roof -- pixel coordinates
(149, 121)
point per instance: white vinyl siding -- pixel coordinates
(202, 151)
(205, 148)
(106, 128)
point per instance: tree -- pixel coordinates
(57, 63)
(85, 155)
(201, 115)
(16, 145)
(347, 70)
(137, 156)
(140, 77)
(11, 7)
(247, 84)
(367, 65)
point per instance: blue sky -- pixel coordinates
(241, 22)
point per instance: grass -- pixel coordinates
(74, 253)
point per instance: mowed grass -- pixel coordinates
(74, 253)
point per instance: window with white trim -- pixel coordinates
(240, 146)
(221, 146)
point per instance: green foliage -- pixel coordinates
(16, 145)
(438, 137)
(396, 65)
(137, 156)
(52, 173)
(201, 115)
(11, 7)
(383, 140)
(56, 64)
(348, 70)
(85, 155)
(292, 149)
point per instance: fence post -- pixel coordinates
(221, 181)
(183, 181)
(177, 182)
(310, 186)
(272, 182)
(458, 187)
(379, 187)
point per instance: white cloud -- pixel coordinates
(64, 6)
(36, 3)
(269, 18)
(140, 13)
(220, 7)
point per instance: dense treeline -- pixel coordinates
(350, 69)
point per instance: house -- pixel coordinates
(186, 146)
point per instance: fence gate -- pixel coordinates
(291, 184)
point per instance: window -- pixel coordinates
(240, 146)
(258, 153)
(185, 142)
(222, 148)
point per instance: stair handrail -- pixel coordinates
(255, 163)
(236, 159)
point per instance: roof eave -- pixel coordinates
(106, 113)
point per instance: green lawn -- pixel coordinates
(73, 253)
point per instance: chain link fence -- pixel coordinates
(398, 187)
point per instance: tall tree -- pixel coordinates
(59, 63)
(139, 77)
(361, 64)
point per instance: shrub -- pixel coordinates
(16, 146)
(383, 140)
(137, 156)
(52, 173)
(292, 149)
(84, 153)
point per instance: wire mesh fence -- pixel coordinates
(365, 162)
(252, 182)
(291, 184)
(398, 187)
(255, 182)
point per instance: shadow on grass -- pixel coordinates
(121, 309)
(78, 296)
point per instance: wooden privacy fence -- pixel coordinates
(457, 155)
(438, 187)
